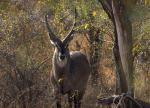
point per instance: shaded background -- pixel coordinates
(26, 52)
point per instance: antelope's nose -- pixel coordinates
(62, 57)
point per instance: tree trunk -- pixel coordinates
(123, 44)
(121, 82)
(124, 35)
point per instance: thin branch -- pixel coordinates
(106, 4)
(118, 100)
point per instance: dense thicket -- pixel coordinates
(26, 52)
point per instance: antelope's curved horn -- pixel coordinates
(69, 36)
(53, 38)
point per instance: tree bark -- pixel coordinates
(124, 35)
(121, 82)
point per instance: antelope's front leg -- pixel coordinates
(77, 99)
(57, 98)
(70, 99)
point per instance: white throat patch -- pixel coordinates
(61, 63)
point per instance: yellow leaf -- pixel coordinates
(94, 13)
(146, 2)
(86, 26)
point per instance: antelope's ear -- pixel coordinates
(52, 42)
(55, 44)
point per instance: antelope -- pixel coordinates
(70, 70)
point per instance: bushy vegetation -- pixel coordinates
(26, 52)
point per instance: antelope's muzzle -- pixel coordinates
(62, 57)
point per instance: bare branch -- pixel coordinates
(119, 100)
(106, 4)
